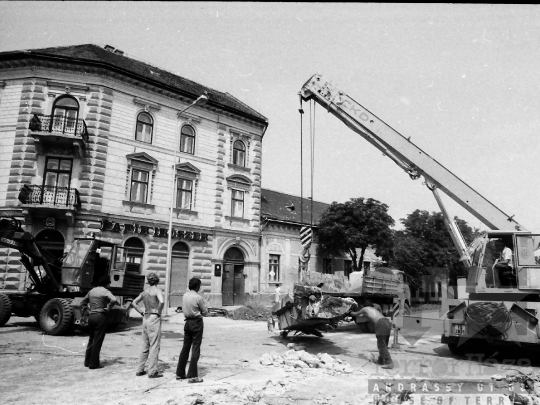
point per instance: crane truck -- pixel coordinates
(502, 306)
(59, 285)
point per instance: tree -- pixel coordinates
(356, 224)
(425, 242)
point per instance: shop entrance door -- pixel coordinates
(179, 274)
(233, 281)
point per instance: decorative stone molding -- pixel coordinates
(187, 171)
(70, 218)
(275, 248)
(144, 158)
(239, 182)
(147, 105)
(189, 117)
(67, 88)
(238, 168)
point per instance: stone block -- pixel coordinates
(106, 104)
(14, 187)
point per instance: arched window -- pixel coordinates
(239, 153)
(134, 251)
(180, 249)
(65, 113)
(145, 126)
(187, 139)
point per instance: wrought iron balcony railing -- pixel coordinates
(50, 195)
(60, 125)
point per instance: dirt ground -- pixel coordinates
(41, 369)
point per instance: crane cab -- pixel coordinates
(488, 274)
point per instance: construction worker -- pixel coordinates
(100, 300)
(382, 327)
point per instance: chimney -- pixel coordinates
(109, 48)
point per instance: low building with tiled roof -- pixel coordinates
(282, 217)
(96, 142)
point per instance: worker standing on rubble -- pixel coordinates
(382, 327)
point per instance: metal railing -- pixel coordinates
(50, 195)
(60, 124)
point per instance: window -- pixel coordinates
(64, 115)
(239, 153)
(237, 204)
(139, 186)
(145, 125)
(141, 169)
(327, 266)
(56, 180)
(347, 267)
(187, 140)
(184, 194)
(57, 172)
(273, 269)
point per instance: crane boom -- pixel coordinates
(404, 153)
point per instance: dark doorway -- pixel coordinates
(179, 273)
(53, 243)
(233, 282)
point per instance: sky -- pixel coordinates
(461, 80)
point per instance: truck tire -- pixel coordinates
(5, 309)
(457, 350)
(56, 317)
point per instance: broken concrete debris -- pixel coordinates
(303, 360)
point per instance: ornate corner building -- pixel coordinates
(93, 142)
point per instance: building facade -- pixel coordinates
(282, 216)
(95, 143)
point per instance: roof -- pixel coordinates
(286, 207)
(91, 54)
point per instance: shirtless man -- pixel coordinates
(382, 328)
(153, 305)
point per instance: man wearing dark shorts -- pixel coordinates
(382, 327)
(194, 308)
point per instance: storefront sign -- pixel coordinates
(135, 228)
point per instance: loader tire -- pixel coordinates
(56, 317)
(5, 309)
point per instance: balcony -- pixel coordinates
(60, 134)
(50, 200)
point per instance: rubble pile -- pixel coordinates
(308, 302)
(300, 359)
(527, 380)
(251, 312)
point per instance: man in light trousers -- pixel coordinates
(153, 305)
